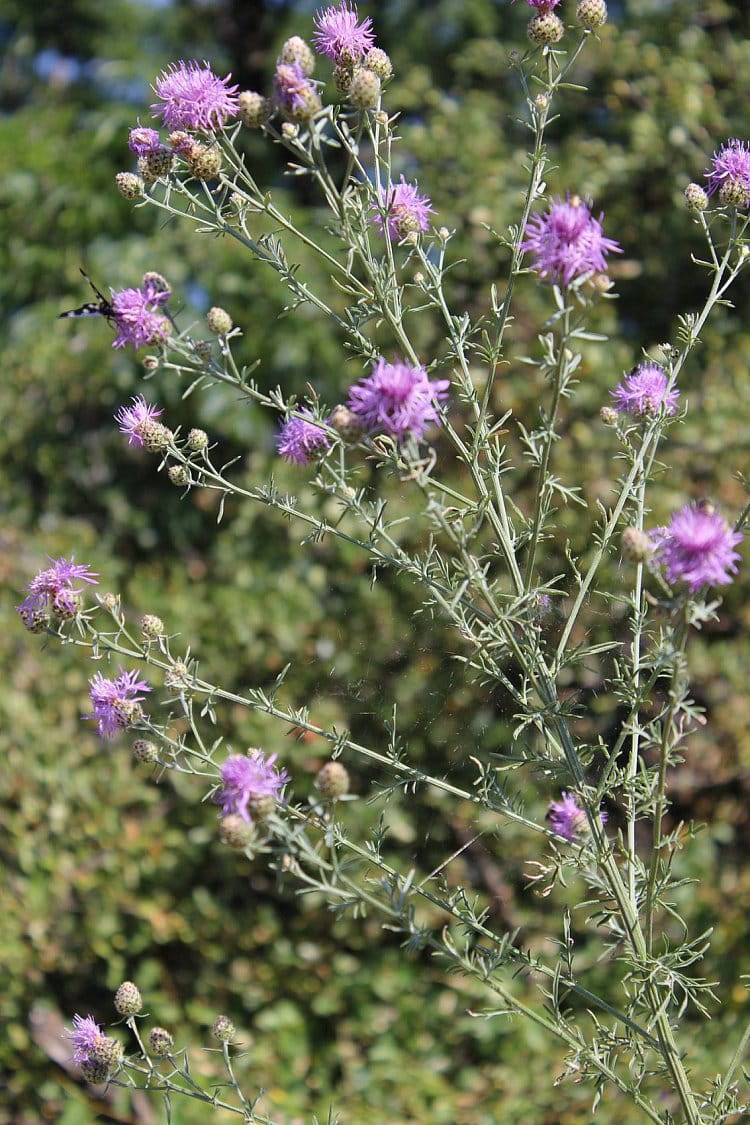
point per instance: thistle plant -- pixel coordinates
(434, 428)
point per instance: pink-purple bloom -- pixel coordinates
(132, 419)
(697, 547)
(113, 701)
(567, 242)
(246, 778)
(54, 590)
(398, 399)
(543, 5)
(143, 141)
(137, 316)
(294, 91)
(191, 96)
(406, 210)
(340, 36)
(645, 391)
(83, 1035)
(568, 819)
(731, 161)
(300, 441)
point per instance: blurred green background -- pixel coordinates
(108, 875)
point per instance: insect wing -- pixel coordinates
(100, 307)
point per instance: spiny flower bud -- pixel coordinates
(38, 621)
(111, 603)
(379, 63)
(591, 14)
(129, 711)
(261, 806)
(205, 162)
(609, 415)
(308, 107)
(128, 1000)
(332, 781)
(104, 1057)
(154, 435)
(342, 78)
(197, 440)
(150, 362)
(364, 89)
(295, 50)
(129, 185)
(223, 1029)
(695, 198)
(545, 29)
(68, 607)
(733, 193)
(152, 626)
(154, 165)
(254, 109)
(179, 476)
(636, 545)
(182, 143)
(160, 1042)
(157, 281)
(219, 321)
(345, 422)
(177, 677)
(145, 751)
(236, 832)
(202, 349)
(290, 130)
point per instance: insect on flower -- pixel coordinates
(100, 307)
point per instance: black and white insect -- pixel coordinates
(102, 306)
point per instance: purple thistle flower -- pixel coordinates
(567, 242)
(83, 1035)
(194, 97)
(568, 819)
(406, 210)
(339, 36)
(731, 161)
(132, 419)
(143, 141)
(294, 91)
(53, 589)
(113, 701)
(398, 399)
(246, 778)
(644, 391)
(136, 314)
(697, 547)
(543, 5)
(299, 441)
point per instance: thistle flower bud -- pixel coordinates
(733, 193)
(289, 130)
(591, 14)
(342, 78)
(236, 832)
(444, 234)
(308, 107)
(128, 1000)
(381, 119)
(295, 50)
(39, 620)
(202, 349)
(379, 63)
(111, 603)
(177, 677)
(128, 711)
(545, 29)
(68, 607)
(204, 162)
(261, 805)
(155, 436)
(154, 165)
(332, 781)
(152, 626)
(345, 422)
(160, 1042)
(609, 415)
(104, 1058)
(223, 1029)
(150, 363)
(179, 476)
(145, 751)
(197, 440)
(219, 321)
(182, 143)
(364, 89)
(254, 109)
(129, 185)
(695, 198)
(636, 545)
(158, 281)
